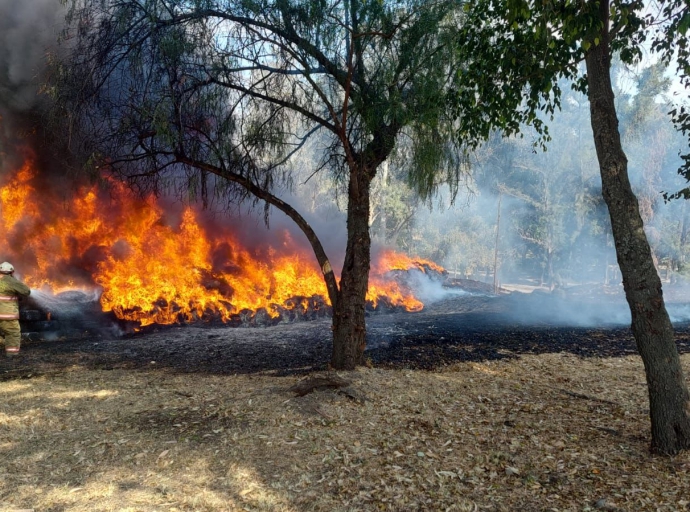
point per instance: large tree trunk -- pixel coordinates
(668, 394)
(349, 329)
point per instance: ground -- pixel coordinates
(476, 403)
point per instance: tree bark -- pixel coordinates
(349, 328)
(669, 400)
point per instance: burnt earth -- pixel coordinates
(464, 327)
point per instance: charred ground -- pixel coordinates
(462, 327)
(520, 412)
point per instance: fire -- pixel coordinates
(15, 199)
(391, 260)
(156, 269)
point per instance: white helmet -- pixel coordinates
(6, 268)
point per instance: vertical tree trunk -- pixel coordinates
(349, 329)
(668, 394)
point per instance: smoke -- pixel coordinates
(429, 289)
(29, 29)
(679, 313)
(551, 237)
(313, 197)
(29, 32)
(68, 303)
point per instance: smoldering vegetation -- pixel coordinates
(527, 222)
(534, 222)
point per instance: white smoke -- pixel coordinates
(430, 290)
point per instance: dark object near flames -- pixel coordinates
(68, 314)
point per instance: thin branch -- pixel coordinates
(277, 101)
(288, 35)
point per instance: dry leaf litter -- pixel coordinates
(550, 432)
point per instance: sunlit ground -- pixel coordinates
(548, 432)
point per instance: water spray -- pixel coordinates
(67, 303)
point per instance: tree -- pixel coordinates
(668, 394)
(564, 33)
(648, 137)
(216, 96)
(541, 190)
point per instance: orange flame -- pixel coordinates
(391, 260)
(153, 270)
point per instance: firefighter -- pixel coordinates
(10, 291)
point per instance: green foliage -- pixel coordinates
(226, 82)
(515, 58)
(513, 63)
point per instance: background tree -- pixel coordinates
(594, 30)
(669, 39)
(461, 235)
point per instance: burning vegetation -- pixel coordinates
(155, 265)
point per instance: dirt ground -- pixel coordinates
(473, 404)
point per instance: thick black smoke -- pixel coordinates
(29, 30)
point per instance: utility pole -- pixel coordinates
(498, 228)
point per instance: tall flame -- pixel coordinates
(152, 270)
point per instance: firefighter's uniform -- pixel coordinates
(10, 291)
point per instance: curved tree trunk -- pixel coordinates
(319, 252)
(349, 329)
(668, 393)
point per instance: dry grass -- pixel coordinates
(549, 432)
